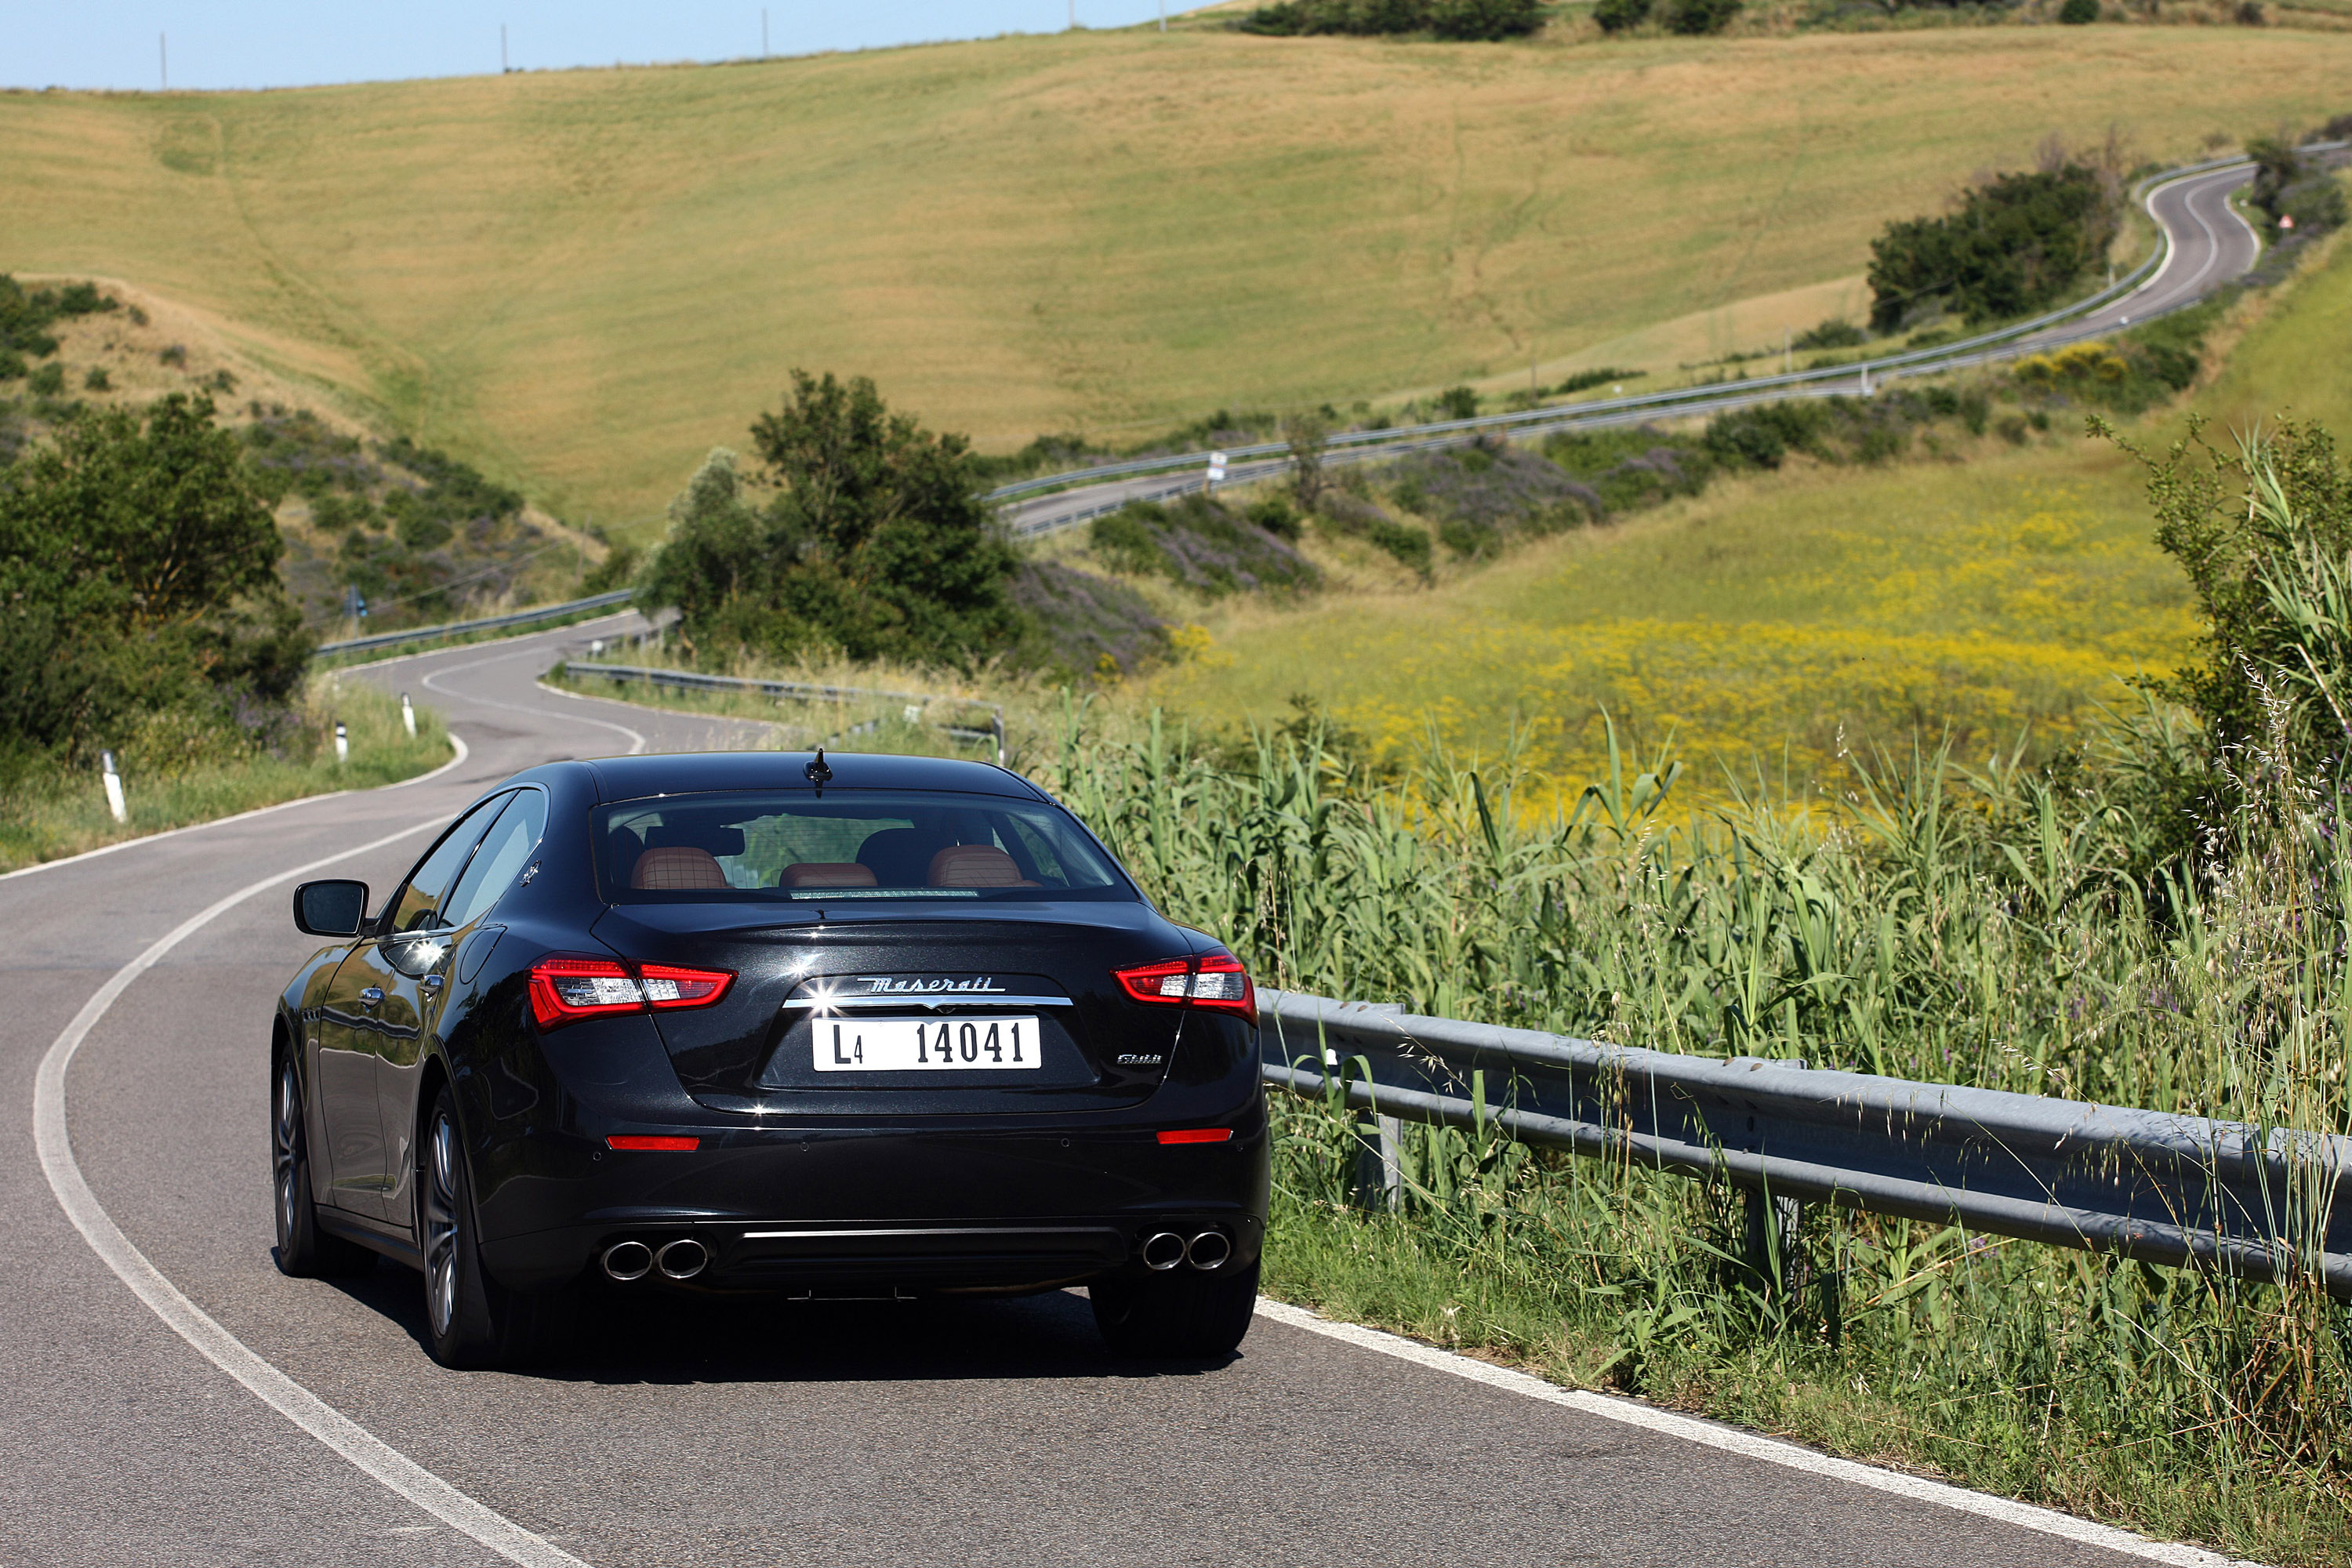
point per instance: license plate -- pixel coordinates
(925, 1045)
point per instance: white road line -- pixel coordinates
(362, 1448)
(637, 741)
(457, 746)
(2048, 1521)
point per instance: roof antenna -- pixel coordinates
(817, 773)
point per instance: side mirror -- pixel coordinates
(334, 908)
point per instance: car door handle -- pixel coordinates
(432, 981)
(373, 995)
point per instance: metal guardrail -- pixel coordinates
(486, 624)
(2169, 1189)
(1709, 397)
(807, 691)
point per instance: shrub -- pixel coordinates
(2015, 245)
(1459, 403)
(1763, 435)
(1080, 621)
(2077, 13)
(1198, 543)
(1483, 20)
(620, 564)
(1277, 516)
(1480, 495)
(1837, 332)
(1699, 17)
(1621, 16)
(96, 380)
(49, 381)
(138, 574)
(1584, 378)
(876, 544)
(175, 355)
(2288, 185)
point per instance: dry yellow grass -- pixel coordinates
(582, 279)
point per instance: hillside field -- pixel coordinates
(581, 280)
(1779, 620)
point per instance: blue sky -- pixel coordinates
(285, 43)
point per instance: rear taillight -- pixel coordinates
(1218, 980)
(566, 990)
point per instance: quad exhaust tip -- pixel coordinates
(1163, 1252)
(1208, 1251)
(627, 1260)
(682, 1259)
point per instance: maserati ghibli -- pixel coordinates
(865, 1027)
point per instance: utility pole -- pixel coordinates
(763, 32)
(502, 49)
(1163, 15)
(163, 60)
(1073, 16)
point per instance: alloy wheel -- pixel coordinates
(441, 1224)
(285, 1150)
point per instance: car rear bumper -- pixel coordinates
(870, 1210)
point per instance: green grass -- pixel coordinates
(48, 818)
(581, 280)
(1789, 620)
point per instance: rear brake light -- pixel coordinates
(652, 1144)
(1198, 1135)
(566, 990)
(1219, 982)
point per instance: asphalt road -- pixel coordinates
(949, 1434)
(2211, 244)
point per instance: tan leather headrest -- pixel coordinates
(826, 874)
(975, 865)
(677, 868)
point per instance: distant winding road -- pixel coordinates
(172, 1399)
(2210, 245)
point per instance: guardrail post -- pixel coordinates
(1773, 1226)
(1380, 1165)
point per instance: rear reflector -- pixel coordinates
(564, 989)
(1198, 1135)
(670, 1145)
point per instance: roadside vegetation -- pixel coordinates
(143, 617)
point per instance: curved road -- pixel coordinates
(135, 1197)
(2211, 244)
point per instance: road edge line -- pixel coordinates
(369, 1454)
(461, 751)
(1771, 1450)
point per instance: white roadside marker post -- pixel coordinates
(408, 716)
(113, 787)
(342, 744)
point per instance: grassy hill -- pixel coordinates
(1779, 620)
(581, 280)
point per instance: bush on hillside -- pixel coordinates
(1699, 17)
(1620, 15)
(1475, 20)
(1084, 625)
(139, 582)
(1837, 332)
(1457, 403)
(876, 543)
(2289, 187)
(27, 314)
(1198, 543)
(1482, 496)
(2078, 13)
(2014, 245)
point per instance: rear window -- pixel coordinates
(866, 844)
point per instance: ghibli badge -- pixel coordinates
(1137, 1060)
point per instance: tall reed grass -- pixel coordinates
(1976, 925)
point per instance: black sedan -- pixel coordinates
(867, 1027)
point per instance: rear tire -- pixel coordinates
(471, 1322)
(304, 1251)
(1187, 1315)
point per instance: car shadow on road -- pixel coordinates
(621, 1336)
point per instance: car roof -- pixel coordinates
(690, 773)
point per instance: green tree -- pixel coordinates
(876, 543)
(137, 571)
(2014, 245)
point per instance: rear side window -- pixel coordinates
(506, 850)
(851, 844)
